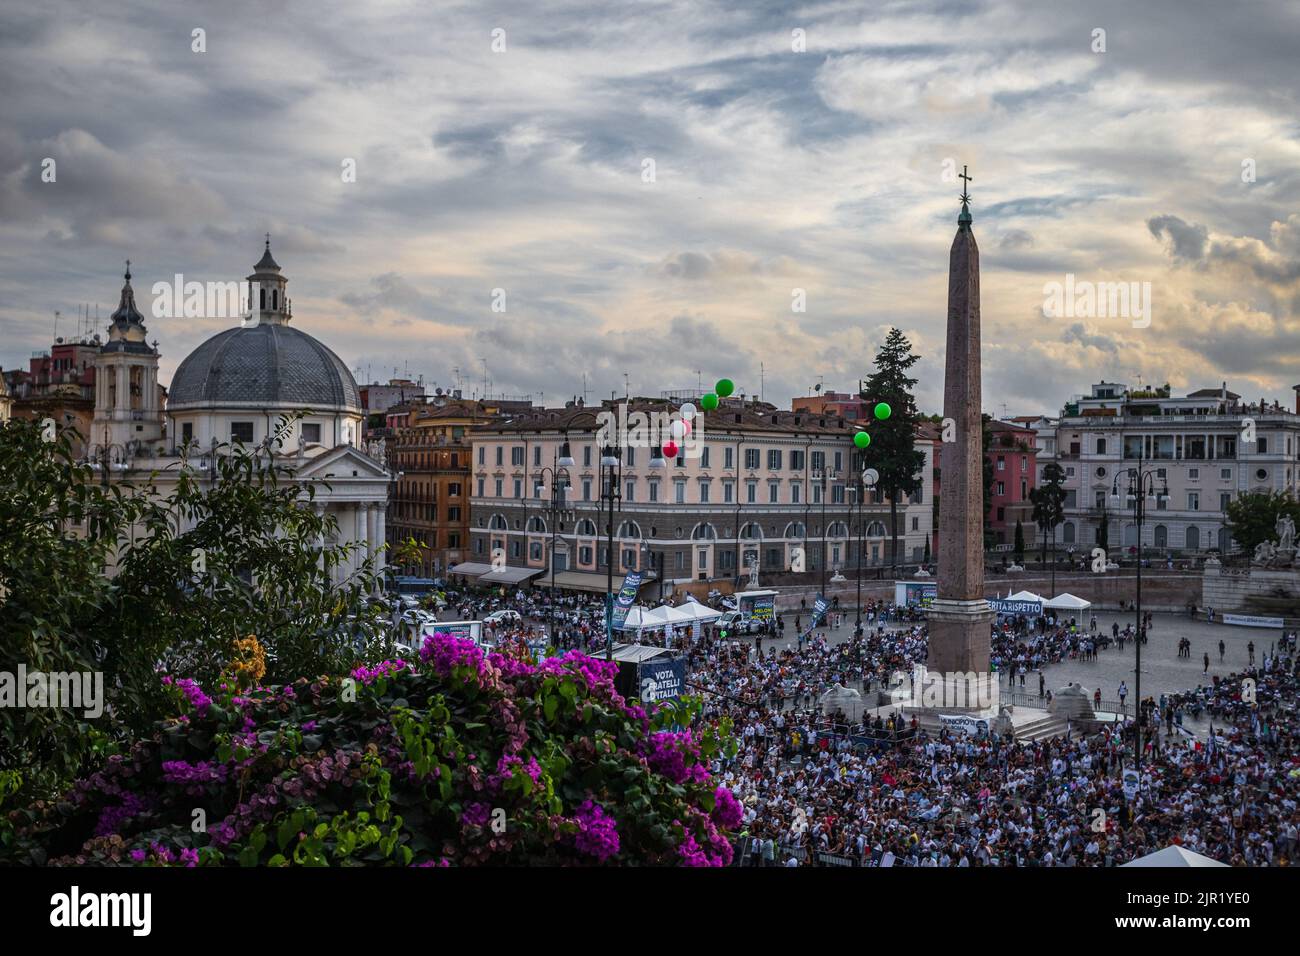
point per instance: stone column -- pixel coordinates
(361, 531)
(960, 620)
(381, 529)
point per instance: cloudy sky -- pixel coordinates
(527, 169)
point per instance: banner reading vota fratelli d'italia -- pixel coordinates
(626, 598)
(662, 678)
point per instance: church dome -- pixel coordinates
(264, 363)
(266, 366)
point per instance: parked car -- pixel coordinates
(505, 618)
(734, 623)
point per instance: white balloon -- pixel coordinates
(677, 429)
(688, 410)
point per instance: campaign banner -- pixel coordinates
(1130, 783)
(820, 607)
(763, 608)
(1252, 620)
(913, 593)
(625, 598)
(1027, 608)
(662, 678)
(979, 726)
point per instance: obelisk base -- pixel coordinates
(960, 636)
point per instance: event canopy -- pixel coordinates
(693, 611)
(644, 618)
(1174, 856)
(1025, 596)
(1068, 602)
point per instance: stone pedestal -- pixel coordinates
(960, 636)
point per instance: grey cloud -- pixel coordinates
(1187, 240)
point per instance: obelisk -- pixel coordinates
(960, 620)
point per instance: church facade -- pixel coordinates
(263, 384)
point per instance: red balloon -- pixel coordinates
(670, 449)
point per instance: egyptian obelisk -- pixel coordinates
(960, 620)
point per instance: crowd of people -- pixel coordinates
(878, 790)
(815, 791)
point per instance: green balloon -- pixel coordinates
(883, 410)
(725, 387)
(862, 439)
(709, 402)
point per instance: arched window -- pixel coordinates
(262, 298)
(876, 529)
(1067, 533)
(275, 298)
(703, 532)
(1161, 536)
(1193, 538)
(1225, 540)
(536, 525)
(629, 529)
(752, 532)
(498, 523)
(796, 529)
(838, 529)
(586, 528)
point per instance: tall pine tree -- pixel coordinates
(893, 451)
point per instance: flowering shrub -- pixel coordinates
(457, 758)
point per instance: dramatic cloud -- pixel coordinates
(661, 193)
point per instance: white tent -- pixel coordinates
(1067, 602)
(693, 611)
(643, 618)
(1025, 596)
(1174, 856)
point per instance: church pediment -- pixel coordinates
(343, 462)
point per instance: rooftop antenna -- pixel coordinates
(699, 380)
(584, 388)
(762, 381)
(485, 376)
(626, 389)
(57, 314)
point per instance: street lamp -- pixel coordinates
(1141, 487)
(562, 461)
(866, 482)
(611, 467)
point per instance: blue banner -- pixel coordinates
(625, 598)
(819, 611)
(662, 678)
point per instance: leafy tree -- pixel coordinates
(1049, 501)
(1251, 518)
(122, 579)
(1019, 547)
(892, 451)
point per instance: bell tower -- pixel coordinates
(128, 411)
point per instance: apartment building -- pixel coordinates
(768, 487)
(1198, 444)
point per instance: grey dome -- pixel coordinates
(264, 365)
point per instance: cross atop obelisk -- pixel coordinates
(965, 196)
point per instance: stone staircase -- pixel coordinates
(1037, 725)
